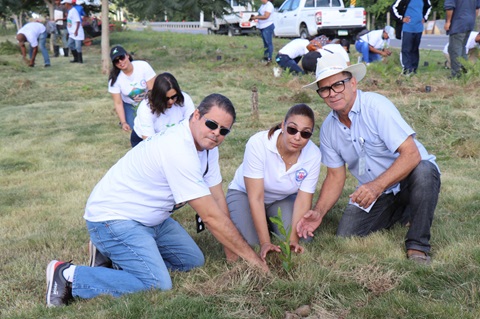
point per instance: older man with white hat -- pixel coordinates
(398, 181)
(374, 44)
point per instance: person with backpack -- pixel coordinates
(411, 15)
(374, 44)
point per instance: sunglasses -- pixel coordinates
(173, 97)
(119, 58)
(211, 124)
(304, 134)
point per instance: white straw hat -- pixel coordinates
(331, 64)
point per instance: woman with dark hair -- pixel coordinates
(279, 171)
(129, 82)
(165, 106)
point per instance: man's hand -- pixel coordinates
(309, 222)
(366, 194)
(447, 26)
(387, 52)
(406, 19)
(266, 248)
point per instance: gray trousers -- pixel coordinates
(241, 216)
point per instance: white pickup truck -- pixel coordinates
(304, 18)
(236, 22)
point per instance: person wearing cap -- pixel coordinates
(412, 14)
(279, 171)
(309, 60)
(78, 5)
(374, 44)
(398, 180)
(460, 20)
(35, 34)
(76, 35)
(289, 56)
(128, 83)
(129, 212)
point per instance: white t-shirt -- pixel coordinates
(147, 124)
(295, 48)
(267, 7)
(334, 48)
(375, 39)
(133, 88)
(262, 160)
(72, 18)
(144, 185)
(32, 31)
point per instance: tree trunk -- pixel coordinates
(255, 102)
(105, 39)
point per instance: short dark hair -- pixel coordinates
(297, 109)
(218, 100)
(157, 96)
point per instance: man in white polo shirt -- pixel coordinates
(128, 214)
(34, 33)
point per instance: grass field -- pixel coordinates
(59, 135)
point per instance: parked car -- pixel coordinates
(304, 18)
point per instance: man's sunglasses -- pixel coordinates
(211, 124)
(119, 58)
(304, 134)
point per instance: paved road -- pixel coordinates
(429, 41)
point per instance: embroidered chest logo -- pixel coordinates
(300, 175)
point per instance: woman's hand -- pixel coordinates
(125, 126)
(267, 247)
(295, 247)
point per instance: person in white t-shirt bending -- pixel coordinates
(289, 56)
(129, 82)
(266, 27)
(128, 214)
(165, 106)
(279, 171)
(34, 33)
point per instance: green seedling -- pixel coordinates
(284, 238)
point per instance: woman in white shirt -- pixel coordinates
(129, 82)
(280, 170)
(266, 27)
(165, 106)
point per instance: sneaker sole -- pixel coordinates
(50, 272)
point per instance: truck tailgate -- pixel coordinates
(342, 17)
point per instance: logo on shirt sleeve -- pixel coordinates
(300, 175)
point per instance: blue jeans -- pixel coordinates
(144, 254)
(364, 49)
(75, 45)
(410, 51)
(267, 37)
(130, 113)
(415, 203)
(456, 49)
(42, 39)
(292, 64)
(241, 216)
